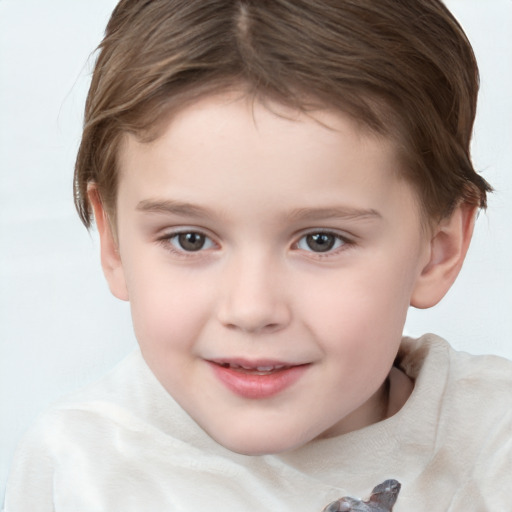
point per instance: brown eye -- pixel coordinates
(190, 242)
(320, 242)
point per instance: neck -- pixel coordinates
(400, 387)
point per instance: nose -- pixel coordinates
(253, 297)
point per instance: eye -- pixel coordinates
(321, 242)
(190, 241)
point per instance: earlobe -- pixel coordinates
(110, 258)
(448, 247)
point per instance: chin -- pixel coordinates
(257, 448)
(261, 443)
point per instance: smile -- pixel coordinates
(256, 370)
(257, 380)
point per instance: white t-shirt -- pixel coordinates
(124, 445)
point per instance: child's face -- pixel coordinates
(279, 245)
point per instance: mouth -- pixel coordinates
(260, 369)
(257, 379)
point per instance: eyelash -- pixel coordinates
(166, 241)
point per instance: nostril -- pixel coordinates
(255, 327)
(268, 328)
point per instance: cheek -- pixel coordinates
(362, 309)
(168, 308)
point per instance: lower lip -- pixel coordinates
(251, 385)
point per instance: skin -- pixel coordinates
(255, 183)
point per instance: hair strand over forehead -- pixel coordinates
(404, 69)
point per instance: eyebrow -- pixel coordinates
(172, 207)
(169, 206)
(347, 213)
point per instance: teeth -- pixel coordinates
(268, 368)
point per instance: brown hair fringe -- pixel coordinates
(403, 69)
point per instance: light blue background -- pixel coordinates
(59, 326)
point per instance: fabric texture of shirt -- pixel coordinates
(124, 445)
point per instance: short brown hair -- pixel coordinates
(404, 69)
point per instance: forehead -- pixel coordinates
(261, 151)
(230, 116)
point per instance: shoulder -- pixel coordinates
(84, 433)
(478, 392)
(459, 373)
(466, 385)
(62, 419)
(479, 382)
(477, 420)
(126, 394)
(469, 403)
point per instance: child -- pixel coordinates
(274, 184)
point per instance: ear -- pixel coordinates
(448, 247)
(110, 258)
